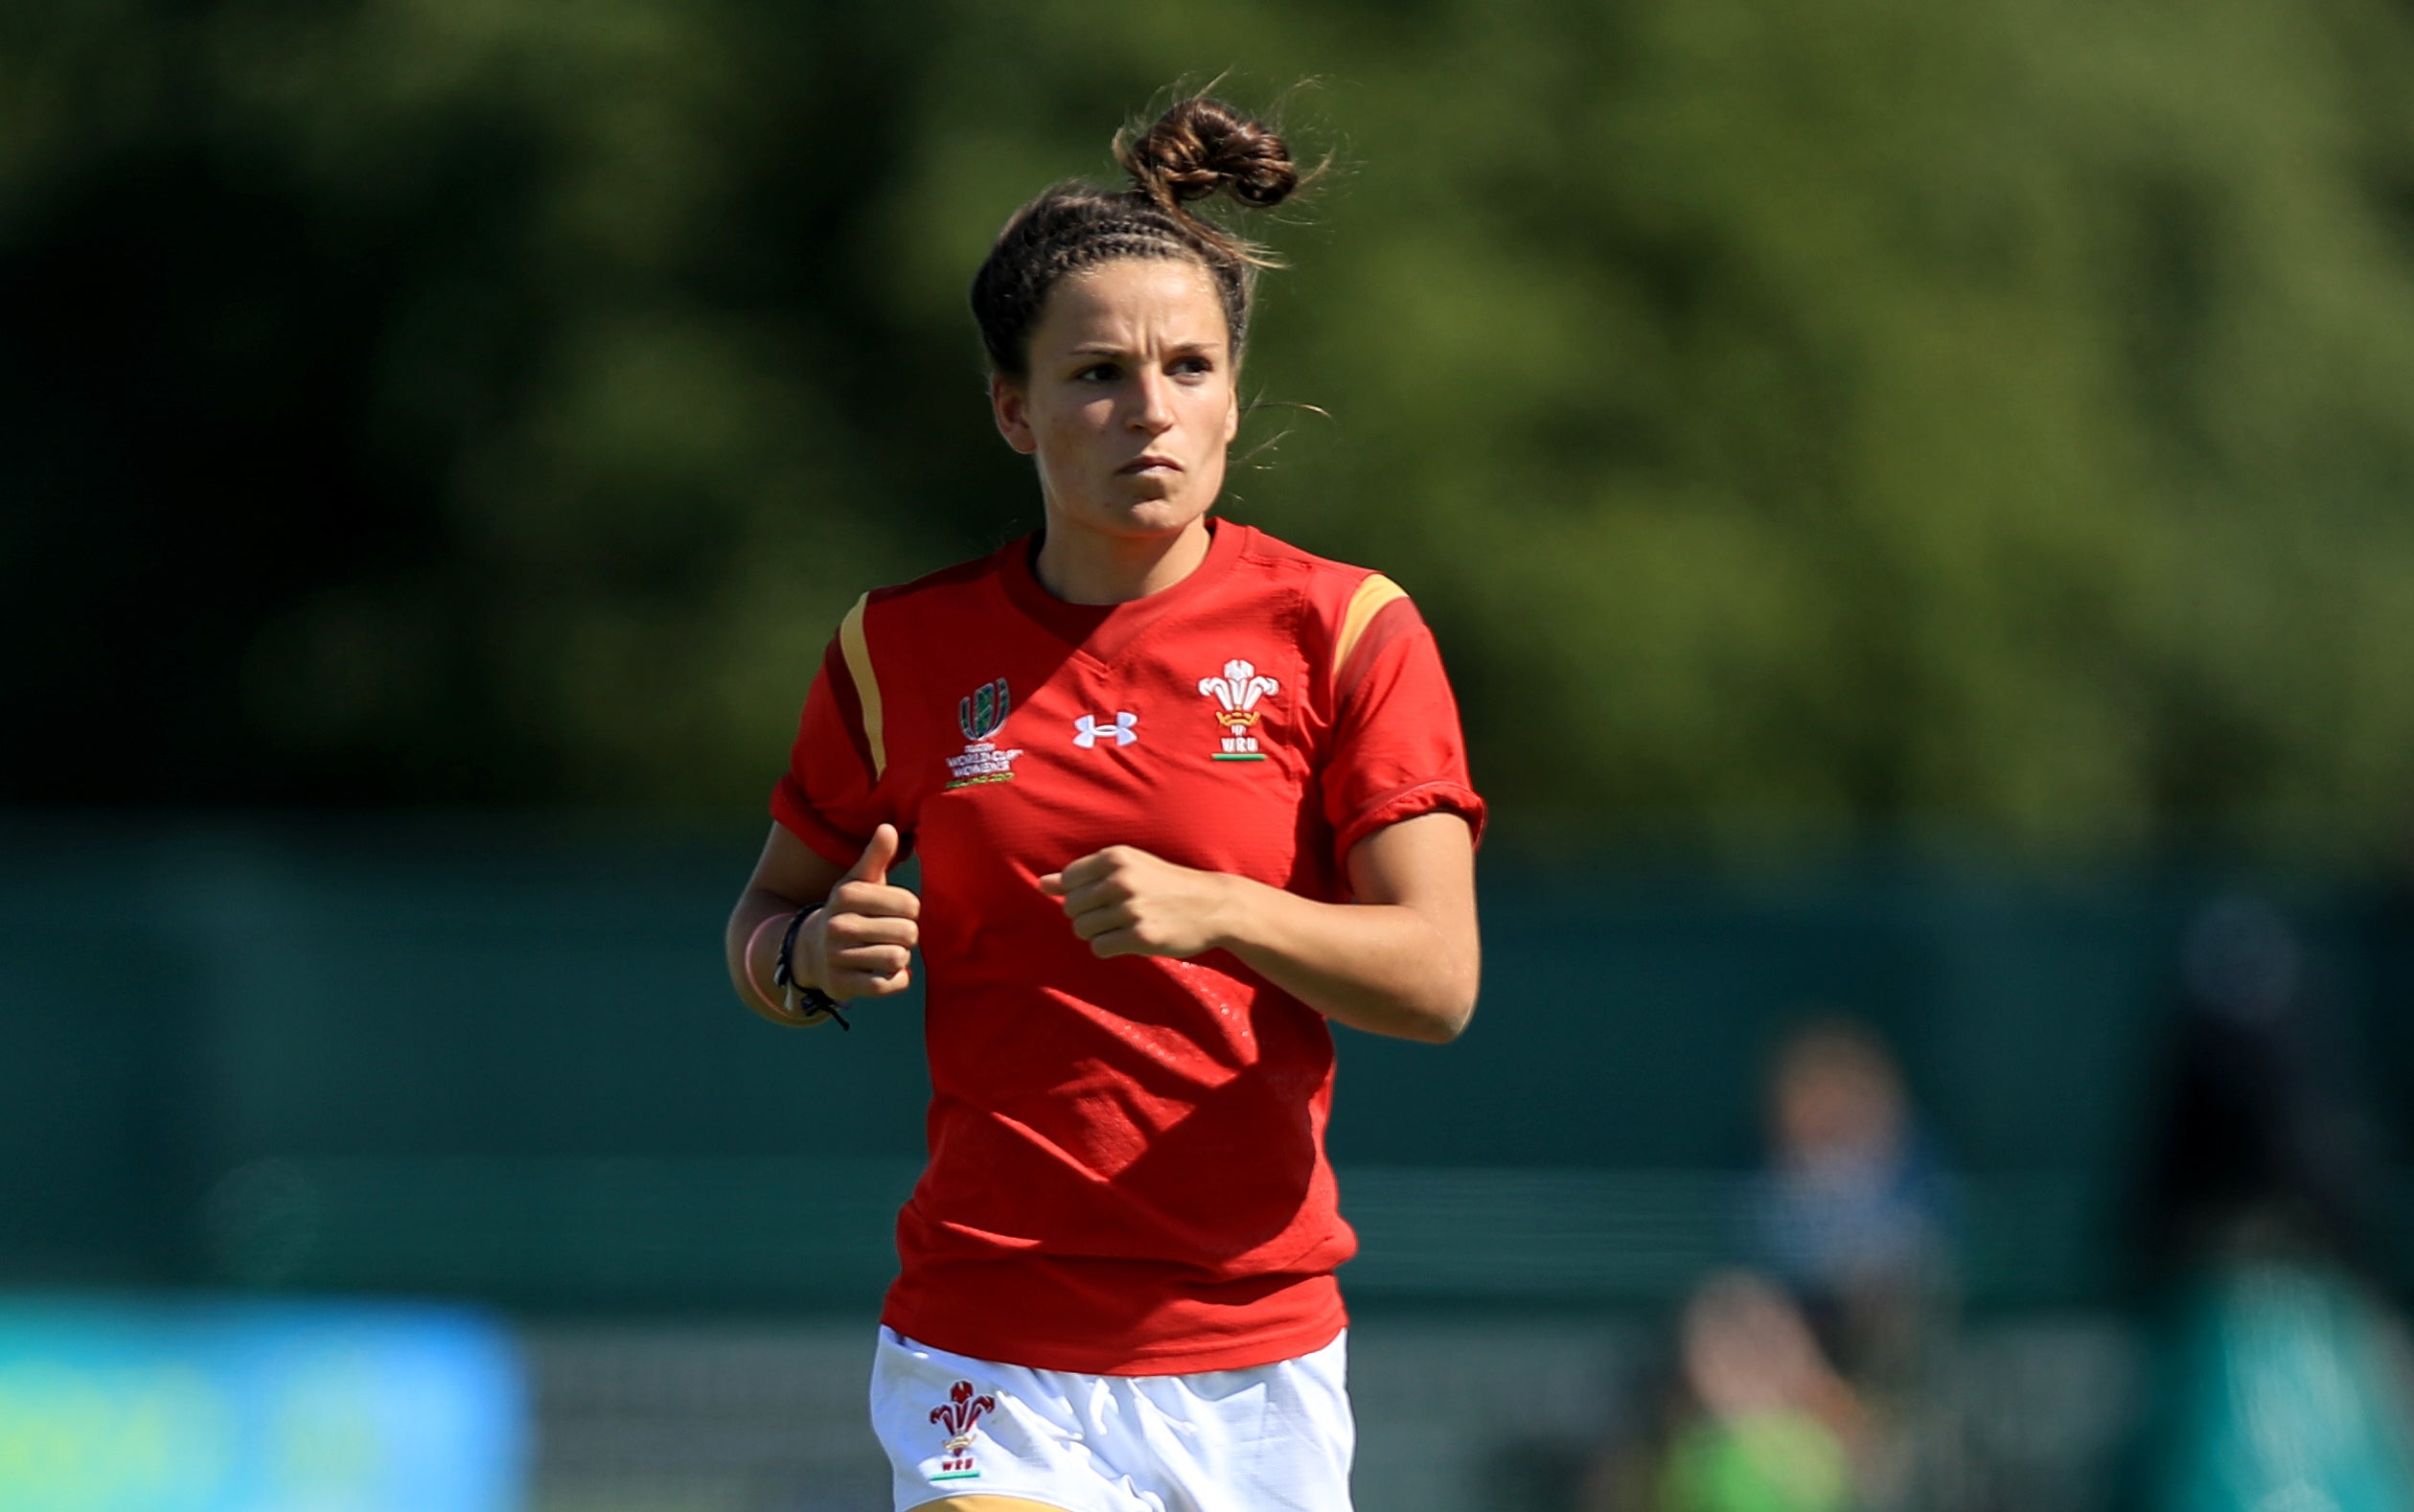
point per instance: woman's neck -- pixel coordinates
(1082, 567)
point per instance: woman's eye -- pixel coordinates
(1193, 367)
(1096, 373)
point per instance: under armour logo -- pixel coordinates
(1087, 731)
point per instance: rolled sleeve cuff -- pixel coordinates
(820, 836)
(1409, 803)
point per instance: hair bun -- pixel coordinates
(1202, 144)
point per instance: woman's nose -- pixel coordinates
(1153, 409)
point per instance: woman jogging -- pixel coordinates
(1181, 793)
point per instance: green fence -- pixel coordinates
(499, 1059)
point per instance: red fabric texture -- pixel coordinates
(1127, 1170)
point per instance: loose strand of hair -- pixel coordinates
(1265, 448)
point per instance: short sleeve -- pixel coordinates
(1397, 751)
(830, 795)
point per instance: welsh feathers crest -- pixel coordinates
(959, 1415)
(1238, 690)
(1237, 693)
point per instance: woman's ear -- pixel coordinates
(1011, 407)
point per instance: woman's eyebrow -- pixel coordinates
(1108, 349)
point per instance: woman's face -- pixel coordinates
(1130, 399)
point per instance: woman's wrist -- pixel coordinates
(803, 945)
(762, 956)
(795, 978)
(797, 934)
(1235, 921)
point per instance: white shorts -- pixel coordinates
(1270, 1439)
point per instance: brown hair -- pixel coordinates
(1194, 150)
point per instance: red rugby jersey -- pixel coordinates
(1127, 1170)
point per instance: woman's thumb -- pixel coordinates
(872, 866)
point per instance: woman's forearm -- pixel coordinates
(1401, 960)
(751, 944)
(1389, 969)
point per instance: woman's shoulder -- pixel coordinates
(1323, 580)
(1335, 592)
(1270, 551)
(948, 580)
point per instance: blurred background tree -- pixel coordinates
(1799, 421)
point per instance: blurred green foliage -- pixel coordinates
(1796, 418)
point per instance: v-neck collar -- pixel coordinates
(1103, 631)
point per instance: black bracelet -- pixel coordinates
(796, 996)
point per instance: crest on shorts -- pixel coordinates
(1238, 694)
(981, 712)
(960, 1415)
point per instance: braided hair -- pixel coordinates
(1199, 146)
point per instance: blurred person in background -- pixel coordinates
(1755, 1419)
(1852, 1209)
(1853, 1213)
(2278, 1370)
(1184, 795)
(1775, 1428)
(1840, 1318)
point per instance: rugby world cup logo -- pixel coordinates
(960, 1415)
(979, 713)
(1238, 691)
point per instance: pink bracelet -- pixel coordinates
(771, 1000)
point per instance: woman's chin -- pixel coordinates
(1145, 516)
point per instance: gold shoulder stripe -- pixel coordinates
(1364, 605)
(859, 666)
